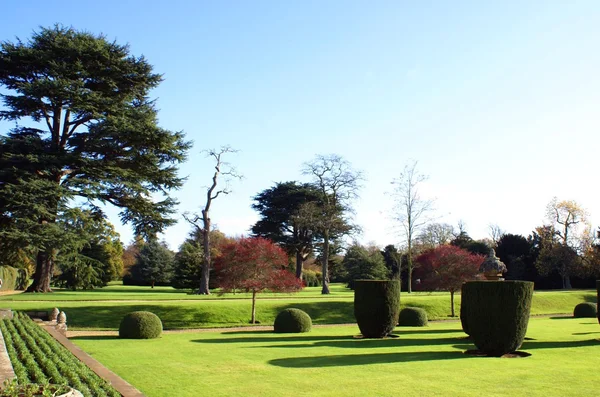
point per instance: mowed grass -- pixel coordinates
(204, 313)
(329, 361)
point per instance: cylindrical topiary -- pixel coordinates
(292, 321)
(585, 309)
(463, 304)
(598, 299)
(140, 325)
(376, 306)
(497, 314)
(412, 317)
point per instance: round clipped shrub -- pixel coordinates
(497, 314)
(140, 325)
(412, 317)
(292, 321)
(463, 303)
(376, 306)
(585, 309)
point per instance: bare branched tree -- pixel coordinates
(339, 185)
(202, 222)
(495, 233)
(411, 209)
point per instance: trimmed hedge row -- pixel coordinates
(13, 278)
(497, 314)
(376, 306)
(37, 357)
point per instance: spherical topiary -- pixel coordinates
(140, 325)
(292, 321)
(412, 317)
(585, 309)
(497, 314)
(376, 306)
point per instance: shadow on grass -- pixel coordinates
(363, 359)
(585, 333)
(273, 338)
(95, 337)
(532, 345)
(349, 341)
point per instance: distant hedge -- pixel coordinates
(13, 279)
(376, 306)
(497, 314)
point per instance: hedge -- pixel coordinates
(463, 303)
(585, 309)
(376, 306)
(497, 314)
(13, 278)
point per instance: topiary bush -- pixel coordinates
(140, 325)
(13, 279)
(463, 304)
(497, 314)
(412, 317)
(585, 309)
(292, 321)
(598, 299)
(376, 306)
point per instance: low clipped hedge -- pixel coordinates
(376, 306)
(497, 314)
(13, 278)
(292, 321)
(412, 317)
(463, 303)
(585, 309)
(140, 325)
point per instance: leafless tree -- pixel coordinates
(339, 185)
(436, 234)
(411, 209)
(495, 233)
(202, 221)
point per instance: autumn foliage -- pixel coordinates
(254, 265)
(446, 268)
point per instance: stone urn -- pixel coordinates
(61, 318)
(492, 267)
(54, 314)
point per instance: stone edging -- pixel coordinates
(122, 386)
(6, 369)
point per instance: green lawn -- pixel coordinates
(330, 362)
(210, 312)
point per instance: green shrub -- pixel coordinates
(376, 306)
(463, 303)
(311, 278)
(585, 309)
(292, 321)
(412, 317)
(497, 314)
(598, 299)
(13, 279)
(140, 325)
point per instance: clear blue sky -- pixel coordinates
(498, 103)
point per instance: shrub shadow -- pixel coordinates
(532, 345)
(369, 343)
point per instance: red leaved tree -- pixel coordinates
(254, 265)
(446, 268)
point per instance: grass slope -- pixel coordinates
(330, 362)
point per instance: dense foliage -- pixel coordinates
(140, 325)
(585, 309)
(497, 314)
(38, 358)
(188, 265)
(376, 306)
(412, 317)
(292, 321)
(363, 263)
(13, 279)
(153, 266)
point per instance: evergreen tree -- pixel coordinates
(188, 265)
(154, 265)
(94, 135)
(364, 264)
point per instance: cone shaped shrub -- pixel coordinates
(585, 309)
(497, 314)
(376, 306)
(140, 325)
(463, 304)
(412, 317)
(292, 321)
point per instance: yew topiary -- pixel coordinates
(412, 317)
(585, 309)
(376, 306)
(292, 321)
(140, 325)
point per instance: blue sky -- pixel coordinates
(499, 103)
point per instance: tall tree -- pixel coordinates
(94, 135)
(254, 265)
(515, 251)
(364, 263)
(435, 234)
(279, 209)
(338, 185)
(154, 264)
(202, 222)
(411, 209)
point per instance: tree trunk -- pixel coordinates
(299, 265)
(253, 320)
(205, 274)
(43, 273)
(152, 284)
(567, 282)
(452, 302)
(325, 272)
(409, 267)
